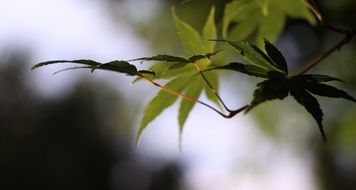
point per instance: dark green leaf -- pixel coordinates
(326, 90)
(309, 103)
(166, 58)
(315, 78)
(249, 69)
(116, 66)
(79, 61)
(159, 103)
(253, 55)
(269, 90)
(276, 56)
(147, 72)
(198, 57)
(119, 66)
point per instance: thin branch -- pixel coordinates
(311, 5)
(211, 87)
(189, 98)
(347, 38)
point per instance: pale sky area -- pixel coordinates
(218, 154)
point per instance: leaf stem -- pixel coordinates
(211, 87)
(192, 99)
(347, 38)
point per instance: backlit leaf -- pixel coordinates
(159, 103)
(209, 32)
(188, 36)
(193, 90)
(232, 9)
(214, 81)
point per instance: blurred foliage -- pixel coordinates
(74, 142)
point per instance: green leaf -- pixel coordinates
(276, 56)
(252, 54)
(116, 66)
(159, 103)
(268, 17)
(272, 24)
(119, 66)
(193, 90)
(315, 78)
(250, 69)
(231, 10)
(197, 57)
(309, 103)
(79, 61)
(209, 32)
(188, 36)
(214, 81)
(269, 90)
(242, 31)
(166, 58)
(326, 90)
(296, 9)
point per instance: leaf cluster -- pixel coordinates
(272, 66)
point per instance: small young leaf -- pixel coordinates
(315, 78)
(209, 32)
(326, 90)
(269, 90)
(276, 56)
(159, 103)
(309, 103)
(166, 58)
(188, 36)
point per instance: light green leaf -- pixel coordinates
(214, 81)
(193, 90)
(188, 36)
(209, 32)
(159, 103)
(272, 24)
(232, 9)
(296, 9)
